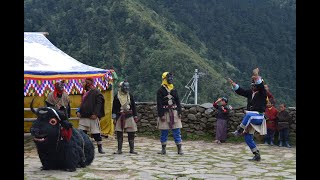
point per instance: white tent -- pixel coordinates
(41, 56)
(45, 62)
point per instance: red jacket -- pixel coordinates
(271, 114)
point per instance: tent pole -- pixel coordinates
(45, 33)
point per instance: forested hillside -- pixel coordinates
(143, 38)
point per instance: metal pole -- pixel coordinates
(196, 86)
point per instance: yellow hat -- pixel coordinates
(164, 75)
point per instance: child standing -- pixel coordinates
(284, 119)
(271, 113)
(222, 119)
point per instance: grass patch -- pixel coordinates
(124, 170)
(195, 178)
(52, 178)
(274, 164)
(235, 139)
(158, 160)
(161, 178)
(194, 137)
(243, 151)
(154, 135)
(184, 135)
(79, 174)
(280, 178)
(181, 175)
(189, 136)
(207, 137)
(86, 169)
(153, 163)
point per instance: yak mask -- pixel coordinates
(169, 78)
(125, 87)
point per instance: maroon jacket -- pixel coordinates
(92, 104)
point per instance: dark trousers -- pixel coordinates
(284, 134)
(269, 137)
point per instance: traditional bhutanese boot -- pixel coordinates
(256, 156)
(131, 142)
(120, 141)
(287, 144)
(180, 149)
(100, 150)
(163, 151)
(131, 145)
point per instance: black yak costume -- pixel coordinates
(59, 145)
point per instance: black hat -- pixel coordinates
(225, 99)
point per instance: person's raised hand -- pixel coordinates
(255, 71)
(231, 82)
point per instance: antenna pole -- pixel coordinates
(196, 76)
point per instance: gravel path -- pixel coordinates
(202, 160)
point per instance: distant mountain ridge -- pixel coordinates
(143, 38)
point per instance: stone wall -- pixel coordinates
(197, 120)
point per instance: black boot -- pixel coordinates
(100, 150)
(131, 145)
(131, 142)
(163, 151)
(256, 156)
(98, 139)
(120, 141)
(180, 149)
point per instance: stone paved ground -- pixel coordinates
(202, 160)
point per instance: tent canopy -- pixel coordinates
(44, 64)
(42, 57)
